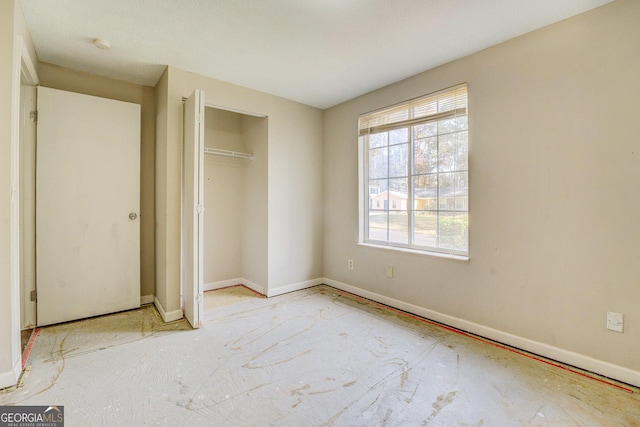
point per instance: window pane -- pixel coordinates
(378, 163)
(399, 186)
(377, 186)
(447, 152)
(378, 140)
(425, 228)
(462, 191)
(425, 192)
(462, 158)
(462, 123)
(447, 126)
(454, 231)
(378, 225)
(425, 155)
(452, 185)
(378, 194)
(398, 160)
(461, 180)
(425, 130)
(446, 181)
(398, 227)
(398, 136)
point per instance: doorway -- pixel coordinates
(225, 208)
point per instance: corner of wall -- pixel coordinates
(167, 316)
(272, 292)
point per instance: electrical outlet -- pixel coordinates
(615, 321)
(389, 272)
(350, 264)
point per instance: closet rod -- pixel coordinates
(220, 152)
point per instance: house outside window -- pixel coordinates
(415, 154)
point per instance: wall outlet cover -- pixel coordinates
(615, 321)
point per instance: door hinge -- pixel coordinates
(199, 299)
(34, 296)
(33, 116)
(199, 209)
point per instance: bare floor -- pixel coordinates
(309, 358)
(227, 296)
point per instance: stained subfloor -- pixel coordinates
(227, 296)
(316, 357)
(24, 339)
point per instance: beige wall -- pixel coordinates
(161, 93)
(255, 201)
(223, 129)
(294, 216)
(12, 26)
(78, 81)
(554, 173)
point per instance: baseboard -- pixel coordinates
(146, 299)
(294, 287)
(253, 286)
(260, 289)
(575, 359)
(10, 378)
(211, 286)
(234, 282)
(169, 316)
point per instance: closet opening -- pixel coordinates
(235, 200)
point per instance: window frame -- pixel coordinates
(410, 210)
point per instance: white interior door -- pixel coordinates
(87, 206)
(193, 208)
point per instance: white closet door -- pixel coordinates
(193, 208)
(87, 206)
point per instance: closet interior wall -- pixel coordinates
(235, 198)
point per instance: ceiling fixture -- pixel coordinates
(102, 44)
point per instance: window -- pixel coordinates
(417, 153)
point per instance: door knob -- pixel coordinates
(133, 216)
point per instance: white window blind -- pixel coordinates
(441, 105)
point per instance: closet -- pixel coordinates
(235, 195)
(224, 206)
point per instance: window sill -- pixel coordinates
(462, 258)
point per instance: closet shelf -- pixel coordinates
(220, 152)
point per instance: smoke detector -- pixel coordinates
(102, 44)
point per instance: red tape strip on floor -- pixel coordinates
(483, 340)
(27, 350)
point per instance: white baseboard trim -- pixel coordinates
(294, 287)
(253, 286)
(211, 286)
(167, 316)
(234, 282)
(565, 356)
(10, 378)
(260, 289)
(146, 299)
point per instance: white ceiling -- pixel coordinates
(318, 52)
